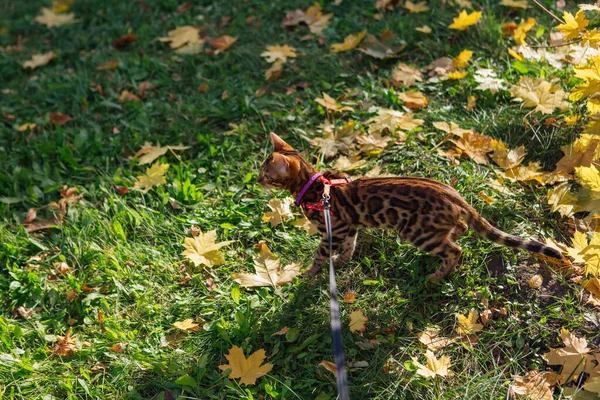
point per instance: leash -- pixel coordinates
(334, 309)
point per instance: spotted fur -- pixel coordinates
(425, 212)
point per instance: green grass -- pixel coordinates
(128, 247)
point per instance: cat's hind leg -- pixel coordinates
(338, 235)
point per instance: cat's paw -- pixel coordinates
(433, 279)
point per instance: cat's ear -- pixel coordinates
(280, 165)
(278, 143)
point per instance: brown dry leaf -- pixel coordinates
(329, 366)
(344, 163)
(431, 339)
(155, 176)
(144, 87)
(330, 104)
(279, 53)
(124, 41)
(413, 100)
(280, 211)
(532, 386)
(389, 120)
(357, 321)
(575, 358)
(373, 143)
(187, 325)
(349, 297)
(380, 48)
(282, 331)
(467, 325)
(25, 312)
(45, 223)
(58, 118)
(247, 369)
(407, 75)
(118, 347)
(543, 95)
(223, 43)
(274, 70)
(434, 366)
(37, 60)
(126, 95)
(339, 141)
(316, 20)
(66, 346)
(149, 152)
(52, 19)
(505, 158)
(268, 271)
(204, 250)
(593, 287)
(110, 64)
(536, 281)
(350, 42)
(475, 146)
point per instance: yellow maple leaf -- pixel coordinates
(304, 223)
(455, 75)
(182, 36)
(580, 242)
(432, 339)
(61, 6)
(520, 32)
(575, 357)
(589, 177)
(591, 255)
(475, 146)
(416, 7)
(561, 199)
(573, 24)
(203, 249)
(149, 152)
(515, 55)
(591, 75)
(268, 271)
(424, 29)
(543, 95)
(467, 325)
(280, 210)
(390, 120)
(52, 19)
(315, 19)
(28, 126)
(187, 325)
(464, 20)
(155, 175)
(451, 128)
(413, 100)
(462, 60)
(514, 3)
(505, 158)
(434, 366)
(277, 52)
(37, 60)
(350, 42)
(357, 321)
(247, 369)
(330, 104)
(407, 75)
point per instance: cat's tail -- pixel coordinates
(490, 232)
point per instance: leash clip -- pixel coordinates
(326, 203)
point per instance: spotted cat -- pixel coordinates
(425, 212)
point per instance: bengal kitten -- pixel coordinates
(428, 213)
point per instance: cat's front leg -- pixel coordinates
(339, 234)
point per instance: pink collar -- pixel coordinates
(305, 188)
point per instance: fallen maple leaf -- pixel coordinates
(575, 358)
(330, 104)
(223, 43)
(474, 145)
(280, 210)
(66, 346)
(372, 143)
(413, 100)
(431, 339)
(350, 42)
(424, 29)
(533, 386)
(434, 366)
(52, 19)
(126, 95)
(407, 75)
(185, 39)
(124, 41)
(110, 64)
(247, 369)
(573, 24)
(268, 271)
(462, 60)
(155, 176)
(118, 347)
(593, 287)
(329, 366)
(389, 120)
(58, 118)
(187, 325)
(278, 53)
(416, 7)
(37, 60)
(467, 325)
(357, 321)
(148, 153)
(505, 158)
(304, 223)
(203, 249)
(464, 20)
(451, 128)
(541, 94)
(61, 6)
(381, 49)
(336, 141)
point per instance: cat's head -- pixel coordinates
(281, 167)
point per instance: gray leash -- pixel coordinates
(334, 307)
